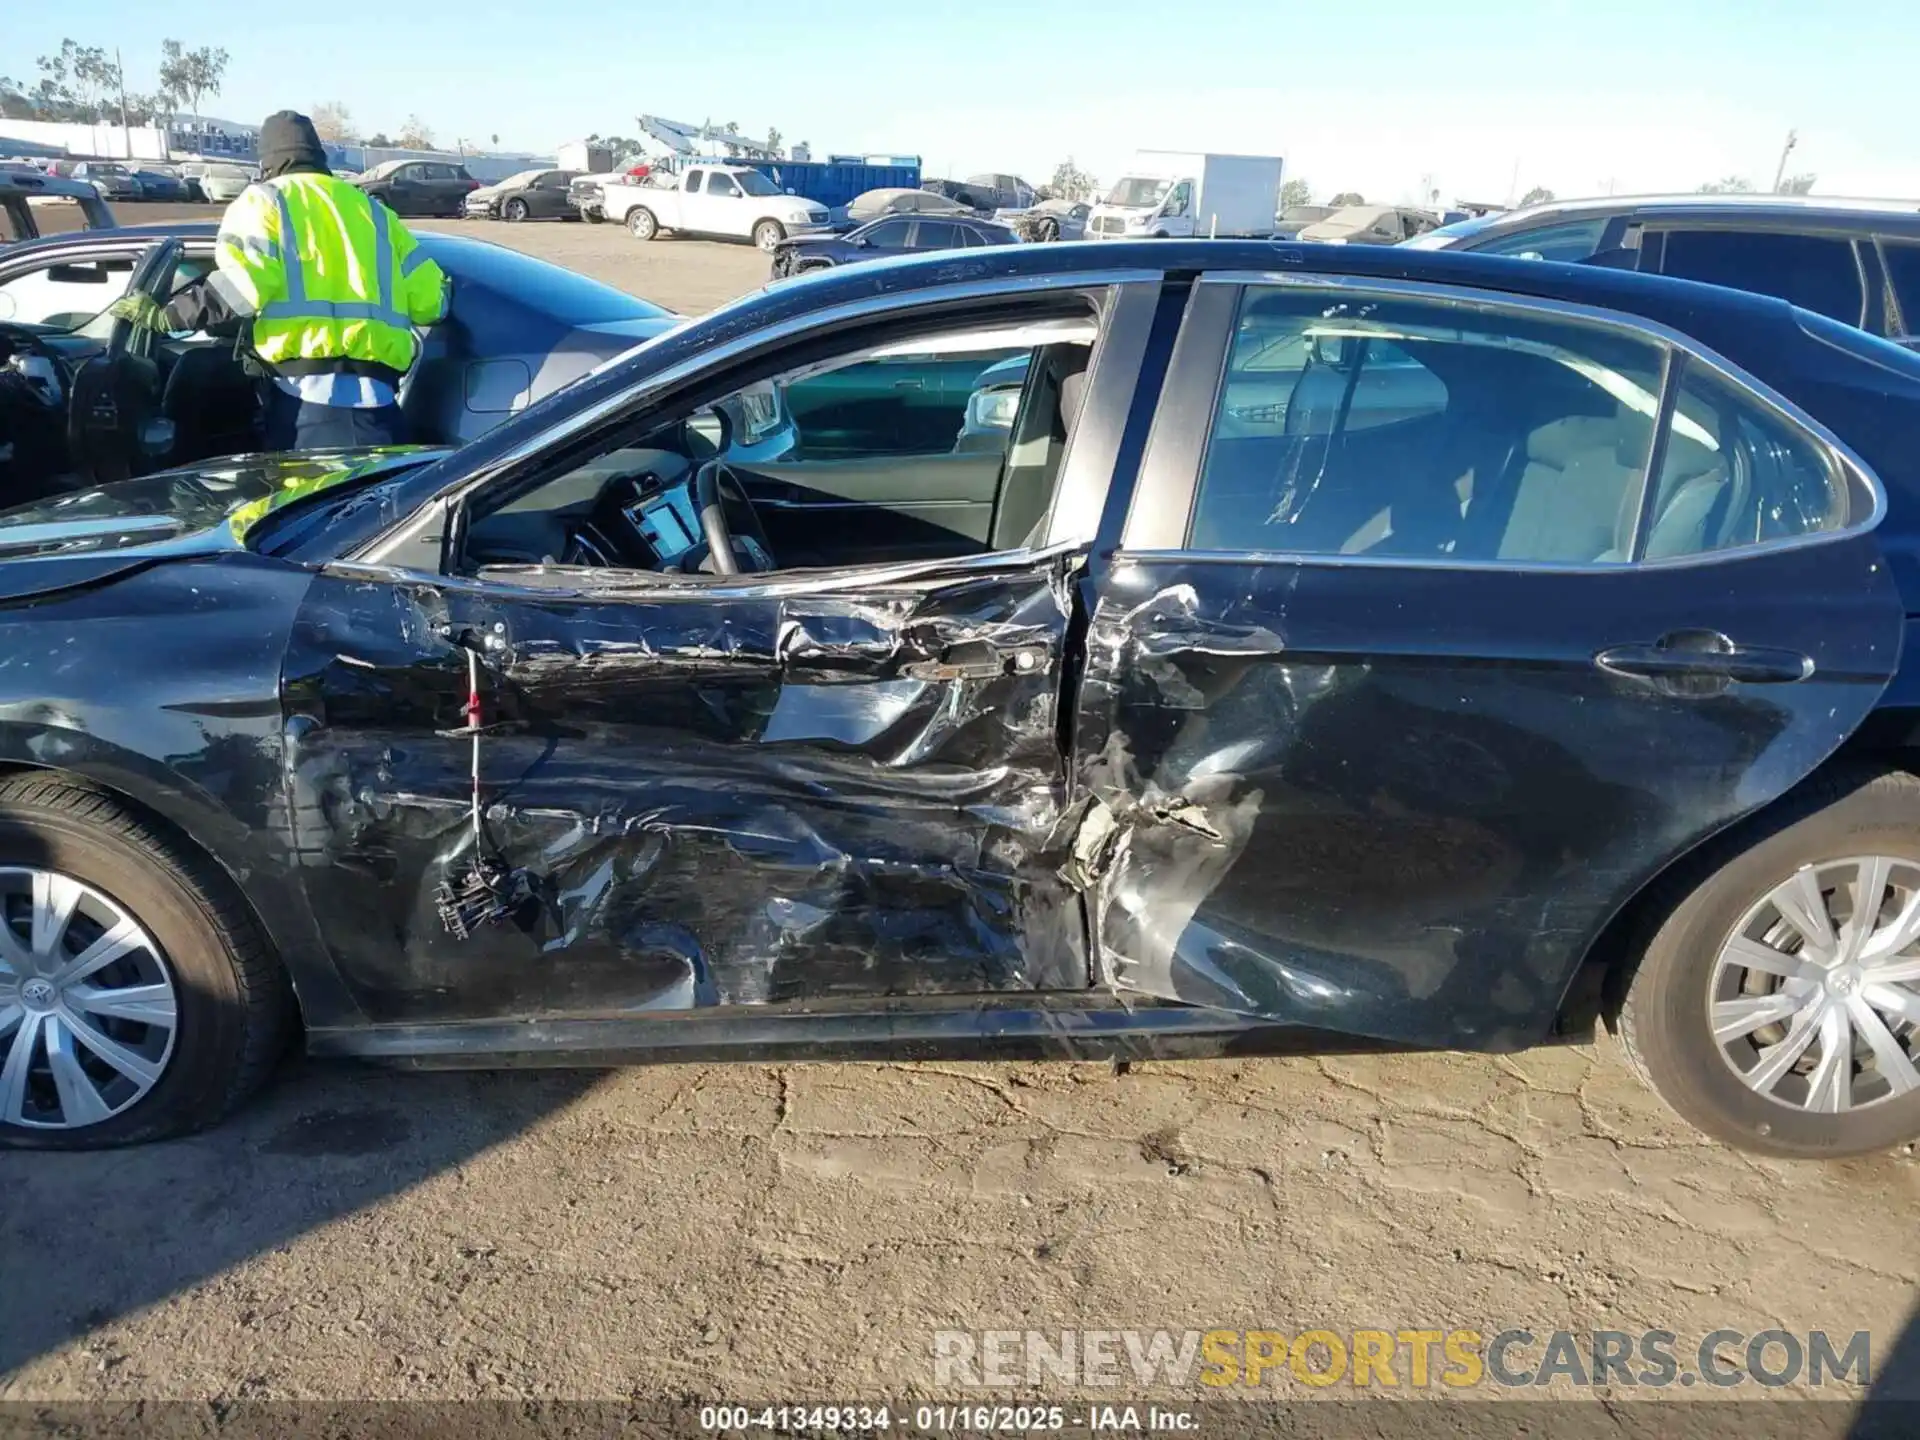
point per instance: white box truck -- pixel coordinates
(1172, 195)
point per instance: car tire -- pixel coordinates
(641, 223)
(214, 1004)
(515, 210)
(768, 234)
(1690, 977)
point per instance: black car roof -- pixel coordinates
(1773, 212)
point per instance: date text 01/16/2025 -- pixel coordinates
(943, 1419)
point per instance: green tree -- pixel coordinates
(1798, 184)
(378, 141)
(414, 135)
(1730, 185)
(1069, 182)
(1348, 197)
(15, 103)
(1295, 192)
(1538, 195)
(773, 141)
(191, 74)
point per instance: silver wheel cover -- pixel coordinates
(88, 1010)
(1813, 1001)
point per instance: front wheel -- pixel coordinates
(768, 234)
(138, 998)
(515, 210)
(641, 224)
(1777, 1003)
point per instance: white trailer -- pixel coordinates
(1178, 195)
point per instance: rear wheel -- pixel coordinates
(514, 210)
(137, 997)
(768, 234)
(1777, 1006)
(641, 223)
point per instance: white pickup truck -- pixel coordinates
(729, 202)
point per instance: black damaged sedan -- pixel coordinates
(1421, 649)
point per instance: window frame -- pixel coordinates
(1124, 300)
(1901, 326)
(1160, 514)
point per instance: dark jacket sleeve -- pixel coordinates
(201, 306)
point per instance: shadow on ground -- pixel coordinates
(88, 1238)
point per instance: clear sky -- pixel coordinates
(1485, 96)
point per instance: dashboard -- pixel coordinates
(632, 509)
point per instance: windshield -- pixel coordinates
(754, 183)
(1137, 192)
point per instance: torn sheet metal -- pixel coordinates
(754, 799)
(1403, 803)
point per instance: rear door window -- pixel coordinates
(1815, 272)
(935, 235)
(1418, 430)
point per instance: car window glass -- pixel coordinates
(64, 296)
(1816, 272)
(694, 178)
(936, 235)
(945, 440)
(1177, 202)
(1417, 430)
(1903, 273)
(1737, 474)
(1571, 243)
(888, 234)
(720, 183)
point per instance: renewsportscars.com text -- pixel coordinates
(1410, 1358)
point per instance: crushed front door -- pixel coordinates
(711, 794)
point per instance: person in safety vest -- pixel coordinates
(332, 285)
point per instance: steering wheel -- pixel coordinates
(709, 482)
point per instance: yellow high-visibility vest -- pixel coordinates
(328, 274)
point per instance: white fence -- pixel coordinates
(136, 142)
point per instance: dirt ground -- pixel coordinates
(759, 1232)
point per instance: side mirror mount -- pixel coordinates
(707, 433)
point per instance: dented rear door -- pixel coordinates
(719, 794)
(1401, 799)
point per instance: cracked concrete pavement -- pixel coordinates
(765, 1232)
